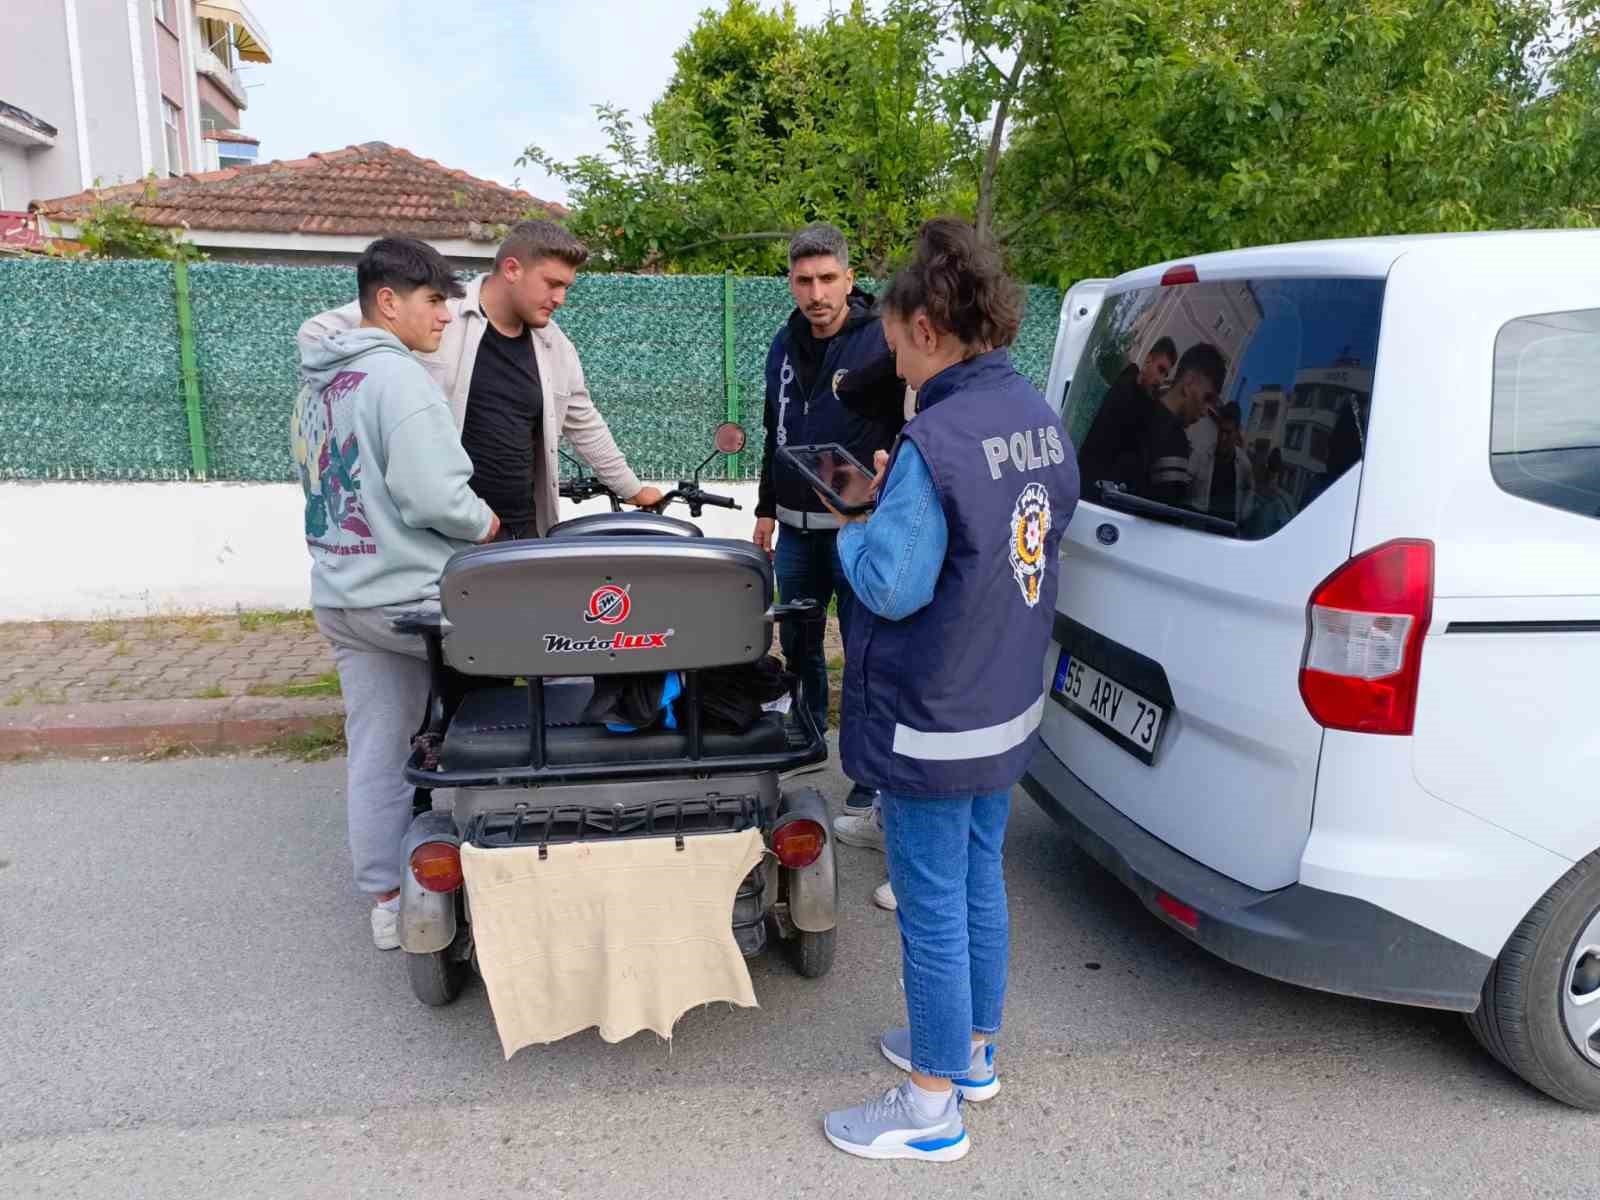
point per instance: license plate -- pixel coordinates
(1130, 720)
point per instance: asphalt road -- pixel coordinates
(190, 1005)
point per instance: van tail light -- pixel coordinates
(1365, 627)
(1183, 273)
(798, 844)
(1178, 911)
(437, 866)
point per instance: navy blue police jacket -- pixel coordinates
(949, 700)
(803, 407)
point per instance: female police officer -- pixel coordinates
(956, 570)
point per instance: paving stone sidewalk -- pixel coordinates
(161, 685)
(173, 658)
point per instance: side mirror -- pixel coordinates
(729, 438)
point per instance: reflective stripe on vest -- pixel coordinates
(808, 521)
(968, 743)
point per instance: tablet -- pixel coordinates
(833, 471)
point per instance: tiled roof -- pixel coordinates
(366, 190)
(230, 135)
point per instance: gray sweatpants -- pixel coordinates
(384, 677)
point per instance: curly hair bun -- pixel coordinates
(956, 277)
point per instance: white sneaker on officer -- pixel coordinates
(386, 924)
(865, 830)
(883, 896)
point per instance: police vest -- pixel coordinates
(949, 700)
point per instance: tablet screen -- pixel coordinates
(847, 482)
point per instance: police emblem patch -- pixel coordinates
(1030, 524)
(838, 378)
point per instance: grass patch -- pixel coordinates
(160, 750)
(250, 622)
(214, 692)
(326, 684)
(37, 694)
(323, 740)
(210, 633)
(120, 649)
(105, 632)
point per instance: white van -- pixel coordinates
(1327, 650)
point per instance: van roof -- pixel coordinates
(1368, 258)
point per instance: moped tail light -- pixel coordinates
(798, 844)
(437, 866)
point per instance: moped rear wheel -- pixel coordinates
(436, 978)
(812, 953)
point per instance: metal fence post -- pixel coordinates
(190, 372)
(730, 378)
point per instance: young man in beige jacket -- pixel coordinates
(514, 383)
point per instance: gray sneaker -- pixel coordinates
(981, 1082)
(891, 1127)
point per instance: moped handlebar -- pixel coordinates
(582, 488)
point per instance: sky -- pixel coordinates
(466, 82)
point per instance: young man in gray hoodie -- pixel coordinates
(388, 502)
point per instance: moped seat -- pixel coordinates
(490, 731)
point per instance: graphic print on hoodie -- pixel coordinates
(328, 456)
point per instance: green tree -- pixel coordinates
(1154, 129)
(1090, 136)
(767, 125)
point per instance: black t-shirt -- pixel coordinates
(504, 407)
(1224, 488)
(1112, 450)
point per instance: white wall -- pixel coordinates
(80, 551)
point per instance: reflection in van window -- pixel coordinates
(1242, 400)
(1545, 436)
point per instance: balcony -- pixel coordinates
(221, 74)
(249, 36)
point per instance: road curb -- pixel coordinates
(146, 726)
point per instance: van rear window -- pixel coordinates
(1230, 405)
(1544, 441)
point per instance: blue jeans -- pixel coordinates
(955, 935)
(807, 566)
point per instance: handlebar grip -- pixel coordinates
(718, 501)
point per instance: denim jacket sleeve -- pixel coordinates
(893, 559)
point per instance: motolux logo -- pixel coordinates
(554, 643)
(608, 605)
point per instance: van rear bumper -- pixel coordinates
(1298, 934)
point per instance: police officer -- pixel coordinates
(831, 335)
(955, 574)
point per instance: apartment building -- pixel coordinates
(102, 92)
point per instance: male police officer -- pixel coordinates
(831, 333)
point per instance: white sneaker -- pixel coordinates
(883, 896)
(386, 924)
(865, 831)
